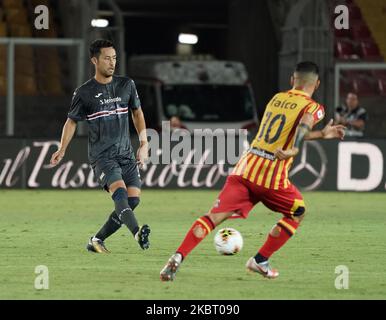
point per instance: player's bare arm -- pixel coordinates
(140, 126)
(67, 134)
(304, 132)
(303, 129)
(330, 131)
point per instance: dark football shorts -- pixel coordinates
(108, 171)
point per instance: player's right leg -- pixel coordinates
(234, 199)
(290, 203)
(197, 232)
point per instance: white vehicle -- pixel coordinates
(202, 93)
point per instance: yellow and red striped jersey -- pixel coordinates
(277, 130)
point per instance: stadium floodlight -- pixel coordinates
(187, 38)
(99, 23)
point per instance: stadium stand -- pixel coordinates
(362, 42)
(36, 73)
(374, 13)
(39, 72)
(360, 32)
(379, 74)
(344, 50)
(42, 71)
(369, 51)
(382, 86)
(364, 86)
(359, 41)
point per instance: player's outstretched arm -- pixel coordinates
(302, 131)
(67, 134)
(330, 131)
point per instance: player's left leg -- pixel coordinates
(113, 223)
(132, 178)
(290, 203)
(142, 236)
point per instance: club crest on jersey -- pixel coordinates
(319, 114)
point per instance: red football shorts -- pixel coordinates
(240, 196)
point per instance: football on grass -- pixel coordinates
(228, 241)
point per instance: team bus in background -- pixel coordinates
(200, 91)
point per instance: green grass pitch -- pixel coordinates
(51, 228)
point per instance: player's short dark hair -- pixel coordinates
(307, 67)
(97, 45)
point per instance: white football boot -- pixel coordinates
(262, 268)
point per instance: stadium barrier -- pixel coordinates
(325, 165)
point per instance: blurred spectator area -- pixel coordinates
(370, 85)
(364, 41)
(42, 93)
(38, 69)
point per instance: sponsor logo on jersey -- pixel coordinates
(111, 100)
(98, 95)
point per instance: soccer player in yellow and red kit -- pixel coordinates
(261, 175)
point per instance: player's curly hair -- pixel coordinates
(97, 45)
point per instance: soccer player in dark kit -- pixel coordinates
(104, 102)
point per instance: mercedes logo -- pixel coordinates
(312, 167)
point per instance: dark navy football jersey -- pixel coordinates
(106, 108)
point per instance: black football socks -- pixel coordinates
(123, 210)
(111, 226)
(113, 223)
(259, 258)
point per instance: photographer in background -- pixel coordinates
(352, 116)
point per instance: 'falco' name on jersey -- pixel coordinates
(283, 104)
